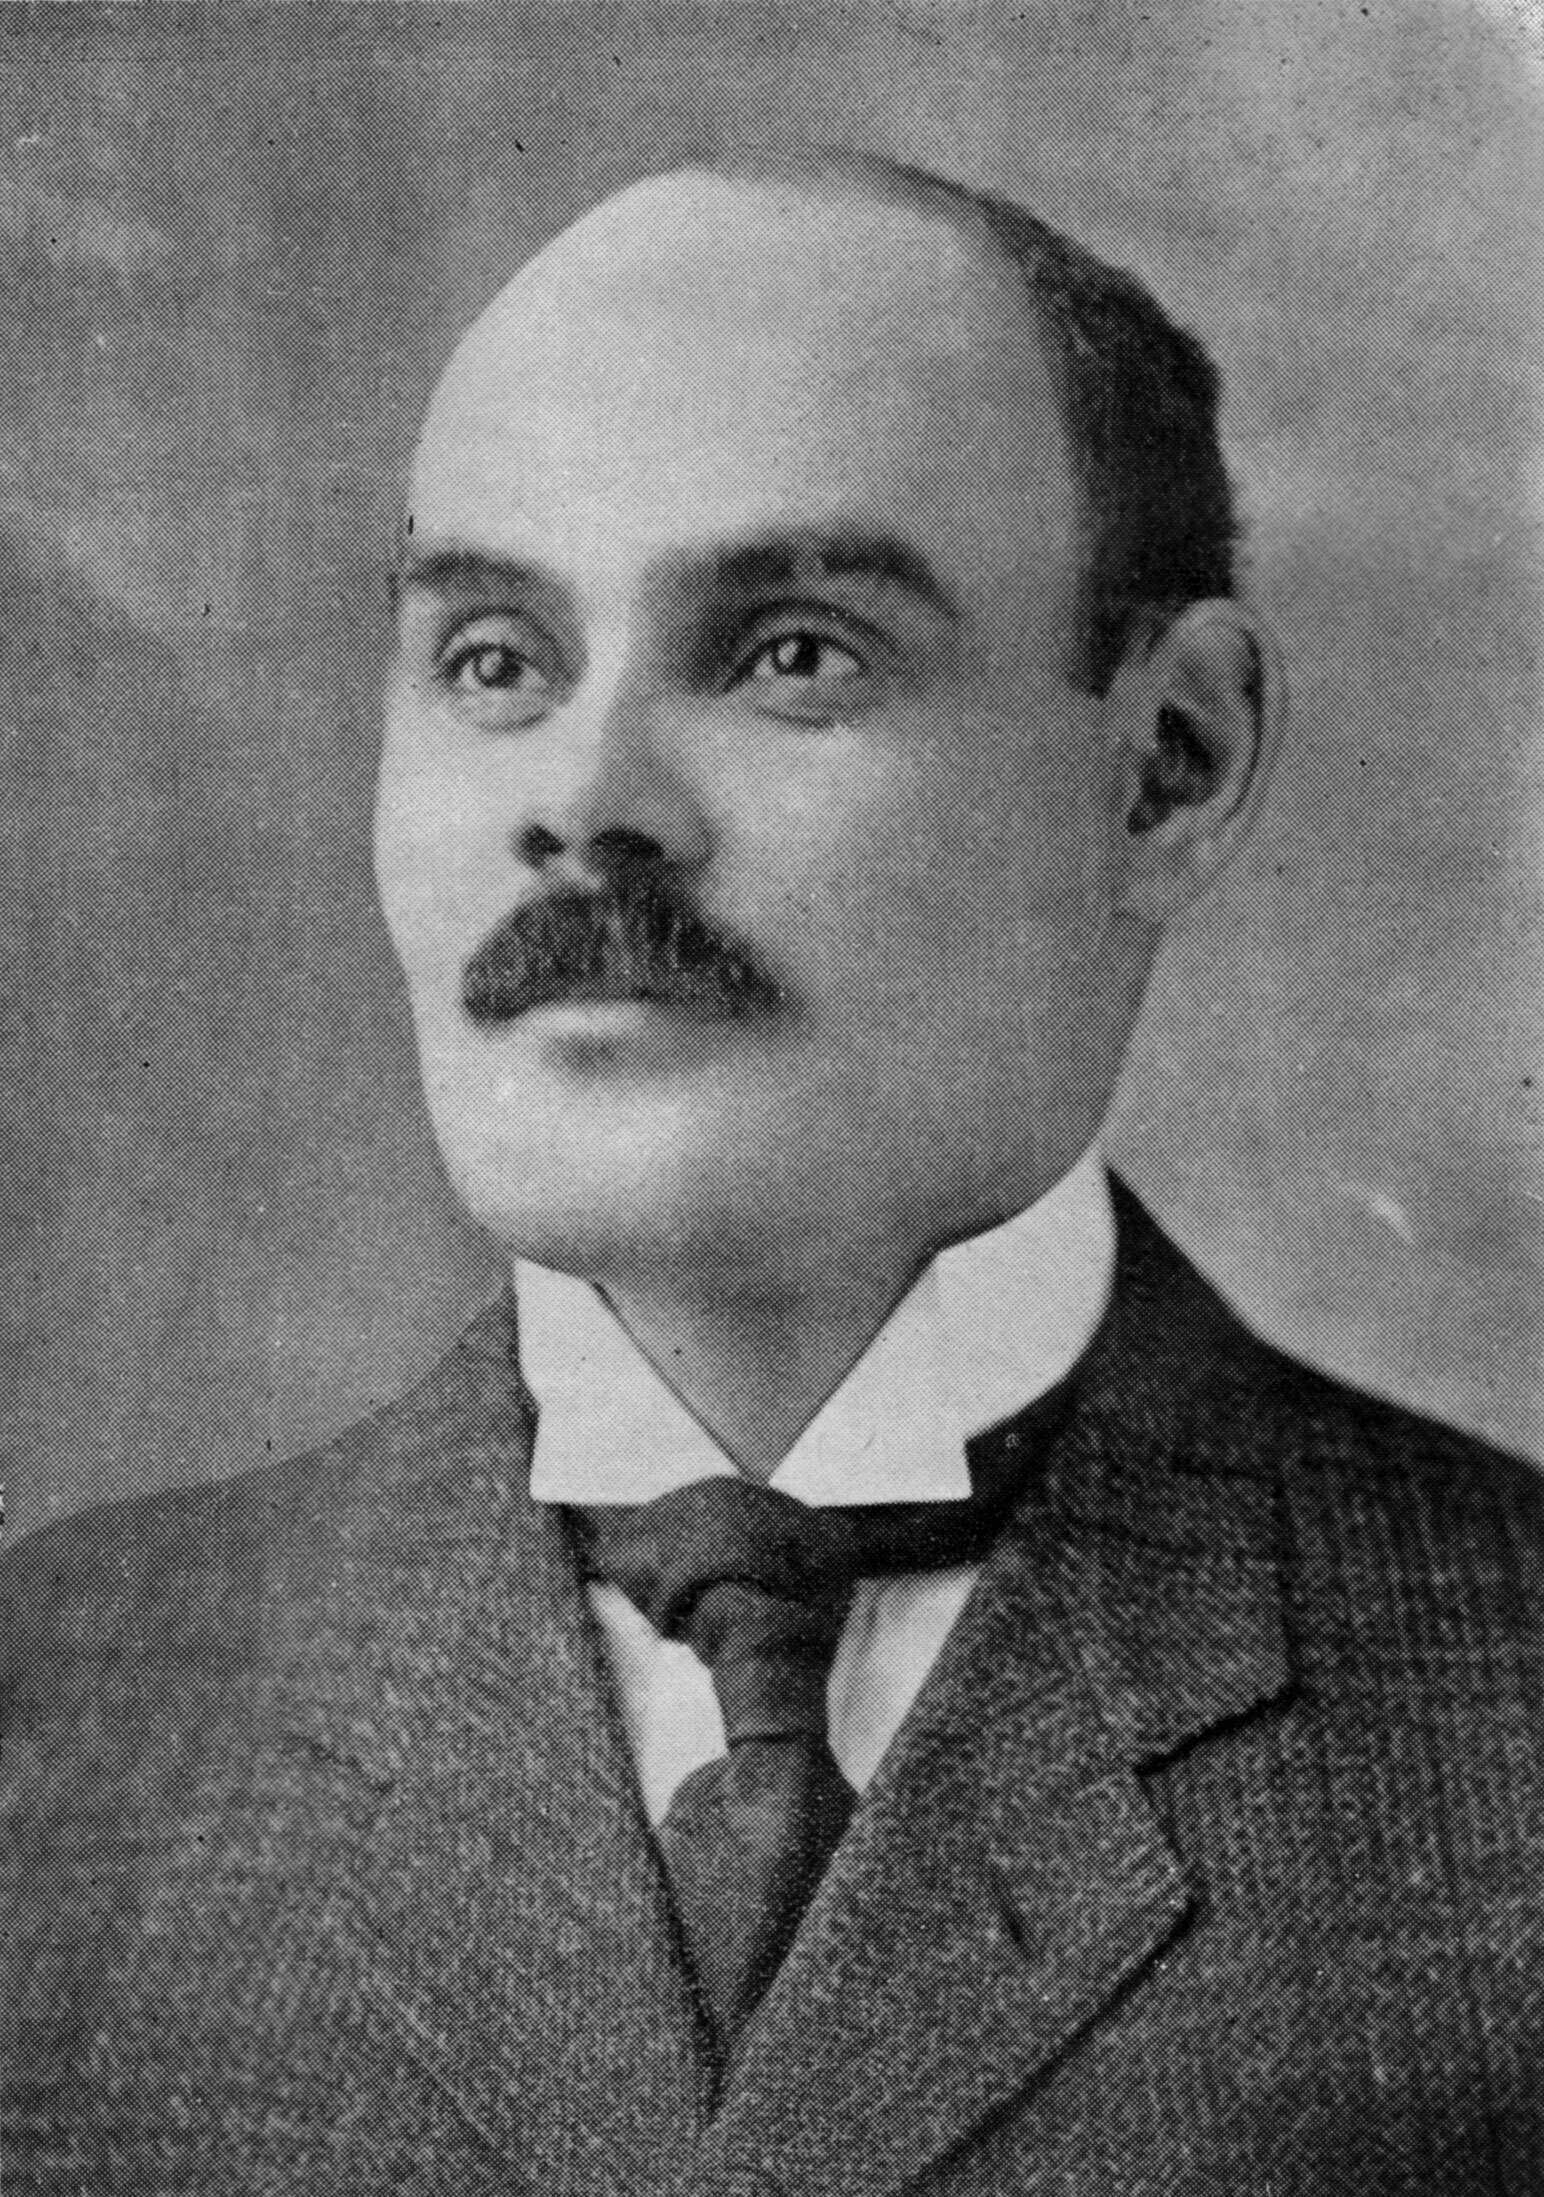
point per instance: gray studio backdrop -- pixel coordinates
(233, 248)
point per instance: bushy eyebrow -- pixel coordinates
(785, 559)
(788, 560)
(450, 567)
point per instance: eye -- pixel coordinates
(491, 666)
(497, 670)
(802, 659)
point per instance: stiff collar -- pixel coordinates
(989, 1325)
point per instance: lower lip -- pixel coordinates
(586, 1035)
(623, 1013)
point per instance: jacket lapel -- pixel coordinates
(505, 1912)
(1005, 1878)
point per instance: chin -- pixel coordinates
(620, 1174)
(594, 1214)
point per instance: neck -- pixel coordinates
(755, 1368)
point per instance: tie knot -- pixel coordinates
(770, 1658)
(757, 1583)
(718, 1533)
(726, 1531)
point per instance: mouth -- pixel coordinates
(489, 1005)
(697, 1007)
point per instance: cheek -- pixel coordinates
(910, 883)
(847, 872)
(441, 859)
(814, 833)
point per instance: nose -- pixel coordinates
(612, 791)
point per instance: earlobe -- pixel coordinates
(1203, 717)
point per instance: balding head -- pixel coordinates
(1137, 395)
(771, 356)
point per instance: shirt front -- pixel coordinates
(988, 1326)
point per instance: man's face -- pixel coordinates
(742, 554)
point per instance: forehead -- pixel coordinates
(702, 359)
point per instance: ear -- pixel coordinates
(1197, 723)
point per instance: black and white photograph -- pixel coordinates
(772, 1099)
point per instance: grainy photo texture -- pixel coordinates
(773, 1198)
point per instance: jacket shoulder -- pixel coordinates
(1183, 1336)
(1399, 1520)
(1424, 1544)
(135, 1607)
(1366, 1454)
(154, 1577)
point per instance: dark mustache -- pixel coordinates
(639, 941)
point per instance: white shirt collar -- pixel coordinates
(988, 1326)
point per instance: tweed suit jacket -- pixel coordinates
(1211, 1857)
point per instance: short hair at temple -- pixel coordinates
(1138, 395)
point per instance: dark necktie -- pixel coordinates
(758, 1585)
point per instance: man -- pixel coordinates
(936, 1705)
